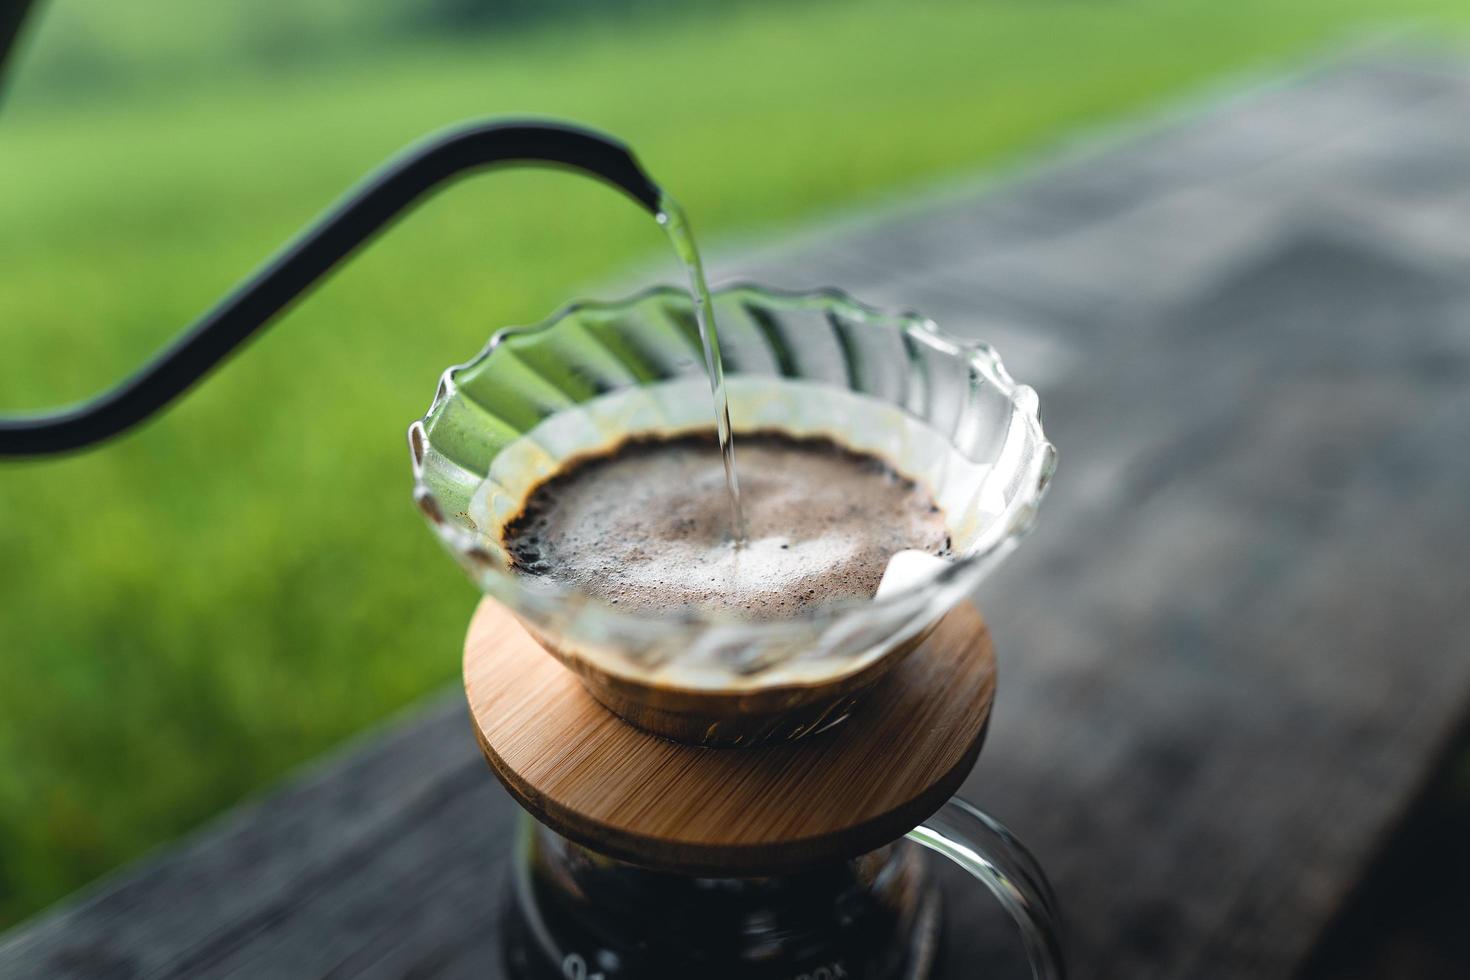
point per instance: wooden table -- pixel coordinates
(1230, 656)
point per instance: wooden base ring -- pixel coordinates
(623, 792)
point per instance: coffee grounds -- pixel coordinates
(645, 525)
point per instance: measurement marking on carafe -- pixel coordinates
(574, 967)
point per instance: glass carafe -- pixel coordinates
(574, 914)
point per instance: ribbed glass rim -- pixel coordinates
(981, 357)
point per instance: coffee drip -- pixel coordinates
(974, 842)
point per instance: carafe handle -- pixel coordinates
(978, 843)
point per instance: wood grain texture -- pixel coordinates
(624, 792)
(1234, 649)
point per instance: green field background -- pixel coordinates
(196, 608)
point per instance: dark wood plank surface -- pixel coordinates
(1230, 656)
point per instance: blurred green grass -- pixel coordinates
(199, 606)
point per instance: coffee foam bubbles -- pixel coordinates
(644, 527)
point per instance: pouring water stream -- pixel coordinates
(676, 225)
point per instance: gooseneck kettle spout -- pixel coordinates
(386, 194)
(400, 184)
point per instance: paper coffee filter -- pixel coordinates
(961, 487)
